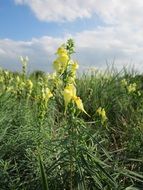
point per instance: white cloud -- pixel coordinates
(2, 52)
(120, 11)
(63, 10)
(40, 52)
(120, 38)
(103, 44)
(112, 12)
(93, 48)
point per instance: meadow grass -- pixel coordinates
(44, 145)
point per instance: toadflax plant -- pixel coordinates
(77, 163)
(51, 128)
(77, 157)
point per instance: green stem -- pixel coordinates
(72, 133)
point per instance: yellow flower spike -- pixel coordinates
(79, 104)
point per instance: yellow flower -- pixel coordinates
(79, 104)
(124, 82)
(46, 94)
(63, 58)
(61, 62)
(101, 112)
(17, 79)
(57, 65)
(132, 87)
(69, 93)
(74, 66)
(29, 84)
(61, 50)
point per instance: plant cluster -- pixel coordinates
(60, 131)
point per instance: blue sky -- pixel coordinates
(103, 31)
(19, 23)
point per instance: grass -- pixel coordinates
(44, 147)
(109, 155)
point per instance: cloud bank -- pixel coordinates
(93, 49)
(59, 11)
(119, 39)
(112, 12)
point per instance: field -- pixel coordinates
(63, 132)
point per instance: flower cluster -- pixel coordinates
(124, 82)
(61, 62)
(70, 95)
(101, 112)
(65, 69)
(131, 87)
(60, 84)
(46, 94)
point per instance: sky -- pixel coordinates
(105, 32)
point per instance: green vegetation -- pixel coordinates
(62, 132)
